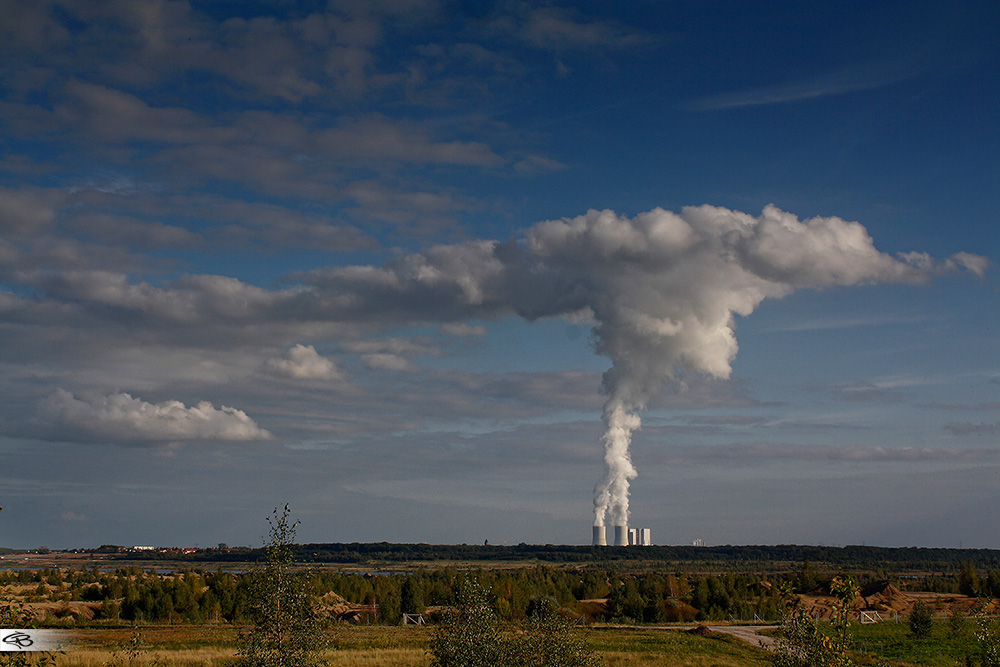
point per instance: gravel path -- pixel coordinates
(748, 633)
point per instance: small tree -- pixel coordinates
(958, 623)
(550, 640)
(988, 638)
(286, 630)
(921, 620)
(801, 643)
(968, 580)
(472, 637)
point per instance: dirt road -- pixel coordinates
(748, 633)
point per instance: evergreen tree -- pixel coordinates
(921, 620)
(286, 631)
(968, 580)
(412, 596)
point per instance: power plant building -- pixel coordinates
(623, 537)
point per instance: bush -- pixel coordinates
(472, 636)
(802, 644)
(921, 621)
(988, 638)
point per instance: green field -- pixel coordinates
(357, 646)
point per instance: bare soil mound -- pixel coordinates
(82, 611)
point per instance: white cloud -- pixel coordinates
(876, 75)
(462, 329)
(122, 419)
(555, 28)
(378, 139)
(387, 362)
(303, 362)
(975, 264)
(24, 212)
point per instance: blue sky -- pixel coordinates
(372, 259)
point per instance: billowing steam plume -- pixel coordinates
(662, 288)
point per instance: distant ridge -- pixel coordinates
(355, 553)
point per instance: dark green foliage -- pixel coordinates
(286, 631)
(412, 596)
(968, 580)
(473, 636)
(721, 557)
(807, 578)
(470, 635)
(921, 620)
(550, 641)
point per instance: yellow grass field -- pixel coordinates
(381, 646)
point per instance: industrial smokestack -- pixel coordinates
(600, 537)
(621, 536)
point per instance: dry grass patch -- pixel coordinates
(93, 657)
(631, 647)
(380, 646)
(385, 657)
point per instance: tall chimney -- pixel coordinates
(600, 537)
(621, 536)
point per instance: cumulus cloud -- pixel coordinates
(975, 264)
(387, 362)
(303, 362)
(663, 290)
(122, 418)
(463, 330)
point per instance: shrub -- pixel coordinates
(802, 644)
(921, 620)
(286, 630)
(472, 636)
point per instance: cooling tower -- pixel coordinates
(621, 536)
(600, 537)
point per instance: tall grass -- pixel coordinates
(375, 646)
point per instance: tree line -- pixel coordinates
(653, 596)
(852, 557)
